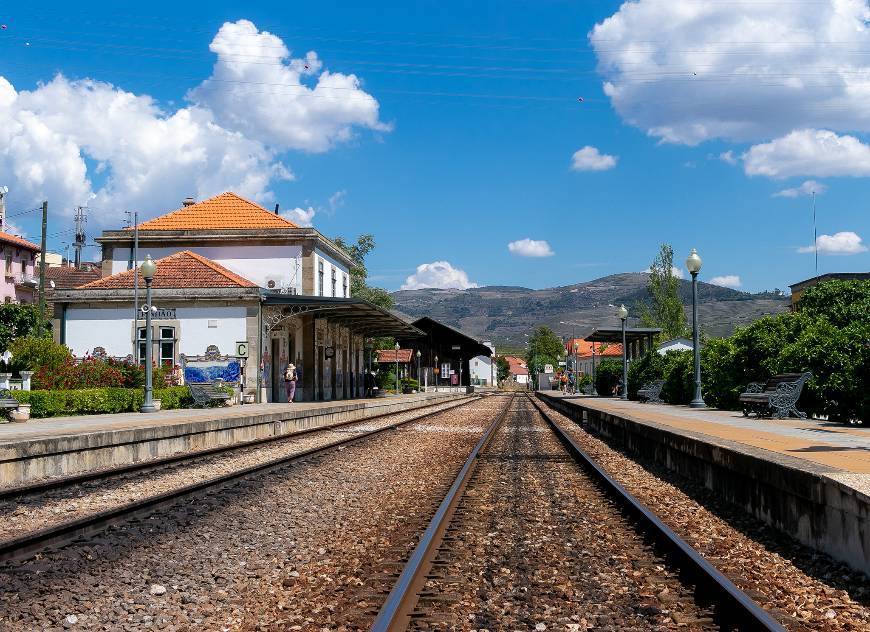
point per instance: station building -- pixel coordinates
(239, 293)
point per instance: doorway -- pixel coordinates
(276, 370)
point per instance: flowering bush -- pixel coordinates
(88, 401)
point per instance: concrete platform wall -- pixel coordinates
(28, 460)
(818, 511)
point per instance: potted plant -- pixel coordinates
(21, 414)
(409, 385)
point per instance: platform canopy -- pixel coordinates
(362, 317)
(614, 334)
(447, 336)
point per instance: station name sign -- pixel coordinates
(161, 314)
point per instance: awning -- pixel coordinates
(614, 335)
(448, 336)
(362, 317)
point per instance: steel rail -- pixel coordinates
(56, 536)
(68, 481)
(732, 604)
(395, 613)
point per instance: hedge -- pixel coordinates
(89, 401)
(607, 375)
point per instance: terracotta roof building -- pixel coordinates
(19, 283)
(184, 269)
(227, 210)
(67, 277)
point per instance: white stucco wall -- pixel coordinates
(330, 264)
(111, 328)
(259, 264)
(481, 368)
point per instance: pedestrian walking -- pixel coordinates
(290, 378)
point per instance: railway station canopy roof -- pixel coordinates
(614, 334)
(360, 316)
(448, 336)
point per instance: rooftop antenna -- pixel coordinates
(815, 235)
(81, 219)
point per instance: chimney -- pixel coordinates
(188, 201)
(276, 208)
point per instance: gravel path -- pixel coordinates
(536, 545)
(291, 549)
(804, 588)
(30, 513)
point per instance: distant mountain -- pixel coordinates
(503, 314)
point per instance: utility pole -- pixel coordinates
(80, 220)
(134, 265)
(42, 264)
(3, 191)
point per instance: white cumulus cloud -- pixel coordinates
(300, 216)
(806, 188)
(677, 272)
(438, 274)
(842, 243)
(686, 72)
(808, 152)
(89, 142)
(727, 280)
(728, 157)
(590, 159)
(531, 248)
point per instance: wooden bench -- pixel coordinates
(651, 393)
(207, 394)
(7, 402)
(777, 397)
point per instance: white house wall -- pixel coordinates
(281, 264)
(111, 328)
(330, 264)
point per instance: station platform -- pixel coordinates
(808, 478)
(57, 446)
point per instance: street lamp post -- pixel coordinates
(693, 263)
(397, 367)
(623, 315)
(149, 269)
(594, 390)
(418, 369)
(435, 373)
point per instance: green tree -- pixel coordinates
(545, 347)
(17, 320)
(359, 288)
(665, 309)
(31, 353)
(503, 368)
(841, 303)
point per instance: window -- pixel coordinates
(344, 284)
(24, 266)
(320, 278)
(141, 346)
(8, 264)
(333, 281)
(167, 346)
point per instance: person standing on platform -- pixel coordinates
(290, 381)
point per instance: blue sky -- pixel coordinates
(457, 137)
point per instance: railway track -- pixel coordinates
(534, 534)
(58, 535)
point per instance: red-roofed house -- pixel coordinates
(583, 351)
(234, 281)
(519, 370)
(19, 283)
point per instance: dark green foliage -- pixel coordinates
(503, 368)
(607, 375)
(386, 380)
(841, 303)
(679, 379)
(17, 320)
(32, 353)
(545, 347)
(642, 371)
(88, 401)
(665, 309)
(410, 383)
(828, 336)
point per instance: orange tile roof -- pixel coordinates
(584, 349)
(66, 277)
(226, 210)
(18, 241)
(184, 269)
(389, 355)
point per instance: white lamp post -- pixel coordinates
(436, 373)
(622, 312)
(693, 264)
(418, 369)
(149, 269)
